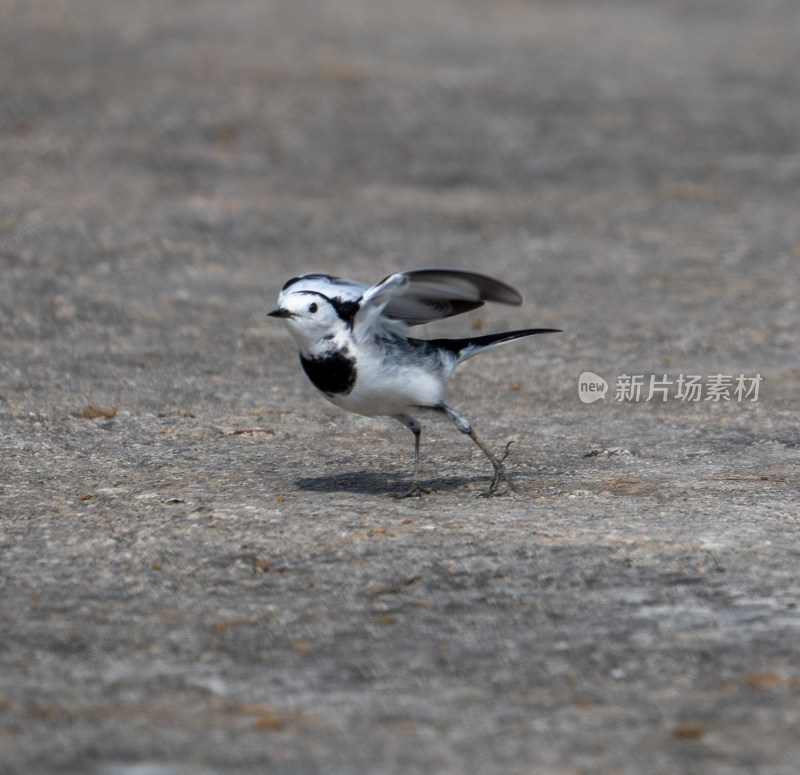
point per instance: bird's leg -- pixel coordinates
(413, 425)
(500, 474)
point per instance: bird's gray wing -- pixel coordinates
(423, 295)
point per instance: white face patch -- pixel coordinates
(314, 322)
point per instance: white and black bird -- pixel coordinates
(355, 348)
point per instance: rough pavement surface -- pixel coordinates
(203, 568)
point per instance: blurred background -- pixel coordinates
(201, 559)
(631, 166)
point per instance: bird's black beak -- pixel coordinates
(281, 313)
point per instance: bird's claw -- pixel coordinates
(500, 475)
(416, 491)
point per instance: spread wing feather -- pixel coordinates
(423, 295)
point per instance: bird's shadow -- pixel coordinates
(369, 482)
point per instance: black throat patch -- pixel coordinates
(333, 373)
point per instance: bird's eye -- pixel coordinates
(312, 308)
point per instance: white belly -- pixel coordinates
(381, 391)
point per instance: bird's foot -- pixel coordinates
(500, 474)
(416, 491)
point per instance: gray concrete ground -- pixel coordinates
(203, 568)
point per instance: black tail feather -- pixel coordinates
(478, 343)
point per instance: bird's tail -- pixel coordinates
(466, 348)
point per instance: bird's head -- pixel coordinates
(311, 317)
